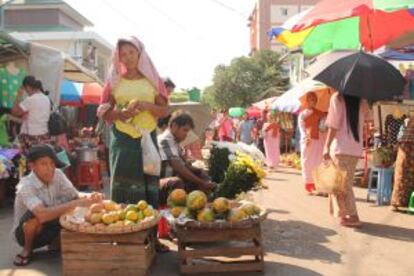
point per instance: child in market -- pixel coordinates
(41, 198)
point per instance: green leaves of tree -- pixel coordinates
(245, 81)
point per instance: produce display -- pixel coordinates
(291, 160)
(194, 206)
(218, 163)
(110, 217)
(242, 175)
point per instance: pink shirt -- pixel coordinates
(225, 128)
(344, 142)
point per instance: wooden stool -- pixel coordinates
(89, 174)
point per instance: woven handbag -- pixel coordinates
(329, 178)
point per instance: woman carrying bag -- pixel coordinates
(344, 146)
(134, 98)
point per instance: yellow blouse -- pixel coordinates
(138, 90)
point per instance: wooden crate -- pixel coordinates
(220, 250)
(107, 254)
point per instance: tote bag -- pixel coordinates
(150, 156)
(329, 178)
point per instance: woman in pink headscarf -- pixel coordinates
(134, 98)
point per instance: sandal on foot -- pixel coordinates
(394, 208)
(350, 222)
(21, 260)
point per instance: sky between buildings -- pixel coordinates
(185, 38)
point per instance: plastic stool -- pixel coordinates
(372, 190)
(384, 177)
(411, 204)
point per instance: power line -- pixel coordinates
(172, 20)
(125, 17)
(227, 7)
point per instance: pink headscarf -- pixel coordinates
(117, 70)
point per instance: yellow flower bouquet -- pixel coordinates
(242, 175)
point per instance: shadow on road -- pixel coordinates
(275, 179)
(387, 231)
(298, 239)
(288, 172)
(277, 211)
(275, 269)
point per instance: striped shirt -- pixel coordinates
(32, 192)
(170, 149)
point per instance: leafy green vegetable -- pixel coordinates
(218, 163)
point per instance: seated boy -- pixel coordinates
(175, 171)
(41, 198)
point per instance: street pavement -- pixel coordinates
(300, 238)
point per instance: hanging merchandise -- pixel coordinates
(392, 127)
(4, 137)
(11, 79)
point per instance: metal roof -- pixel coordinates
(11, 48)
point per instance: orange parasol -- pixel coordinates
(324, 96)
(91, 93)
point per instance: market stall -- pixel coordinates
(389, 116)
(215, 230)
(109, 236)
(18, 59)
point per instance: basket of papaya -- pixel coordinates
(109, 217)
(194, 210)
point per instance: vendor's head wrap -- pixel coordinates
(118, 69)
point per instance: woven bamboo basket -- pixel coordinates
(68, 223)
(217, 224)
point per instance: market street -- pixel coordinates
(300, 238)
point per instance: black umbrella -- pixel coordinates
(363, 75)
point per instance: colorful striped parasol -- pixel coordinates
(353, 24)
(77, 94)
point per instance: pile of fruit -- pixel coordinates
(291, 160)
(111, 214)
(194, 206)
